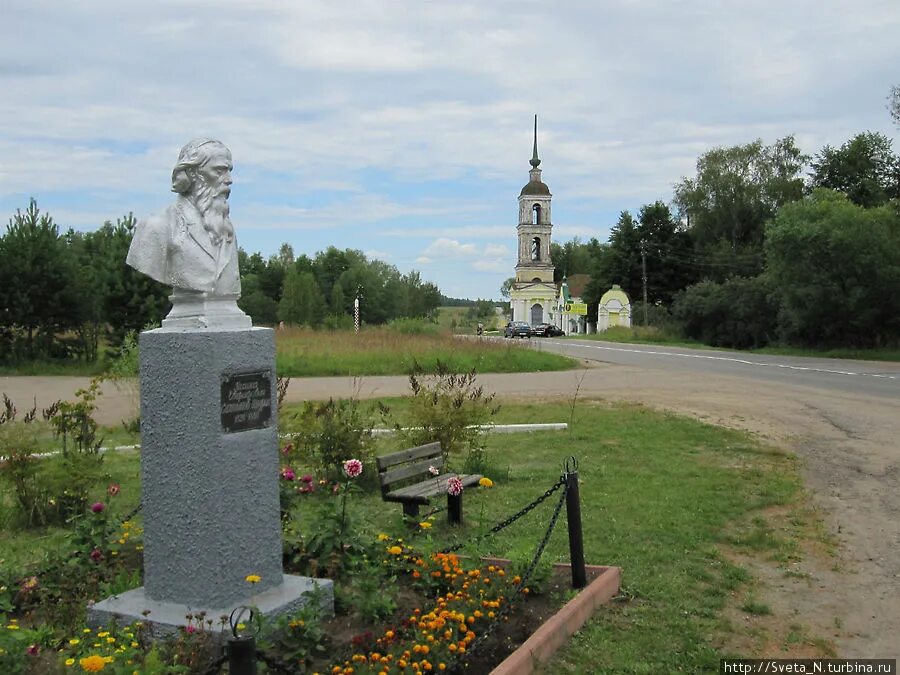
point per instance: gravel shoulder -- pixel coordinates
(848, 444)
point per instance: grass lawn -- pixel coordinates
(381, 351)
(671, 501)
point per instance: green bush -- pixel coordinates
(331, 432)
(737, 313)
(446, 407)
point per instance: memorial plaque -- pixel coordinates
(246, 401)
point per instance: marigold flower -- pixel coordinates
(383, 537)
(353, 468)
(395, 550)
(92, 663)
(486, 482)
(425, 525)
(253, 578)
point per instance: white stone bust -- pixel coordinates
(191, 246)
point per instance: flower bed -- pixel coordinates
(457, 615)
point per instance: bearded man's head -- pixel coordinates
(203, 175)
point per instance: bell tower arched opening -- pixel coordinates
(536, 249)
(536, 214)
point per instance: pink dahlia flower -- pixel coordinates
(454, 486)
(352, 468)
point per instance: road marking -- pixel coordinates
(729, 358)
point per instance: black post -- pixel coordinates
(242, 655)
(573, 517)
(454, 509)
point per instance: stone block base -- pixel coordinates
(165, 618)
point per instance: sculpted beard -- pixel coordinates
(212, 202)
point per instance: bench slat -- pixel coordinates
(423, 492)
(394, 458)
(411, 471)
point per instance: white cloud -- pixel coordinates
(412, 120)
(449, 248)
(372, 254)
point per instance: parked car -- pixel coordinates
(517, 329)
(547, 330)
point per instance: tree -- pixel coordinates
(835, 268)
(894, 104)
(737, 313)
(667, 249)
(301, 299)
(131, 300)
(38, 274)
(506, 287)
(572, 257)
(864, 168)
(736, 191)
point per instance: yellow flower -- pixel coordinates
(74, 641)
(383, 537)
(425, 525)
(13, 626)
(70, 662)
(395, 550)
(253, 578)
(486, 482)
(92, 664)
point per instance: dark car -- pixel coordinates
(547, 330)
(517, 329)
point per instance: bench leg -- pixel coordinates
(411, 510)
(454, 508)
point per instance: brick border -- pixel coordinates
(554, 632)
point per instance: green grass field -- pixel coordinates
(665, 498)
(382, 351)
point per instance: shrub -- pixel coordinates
(329, 432)
(447, 407)
(737, 313)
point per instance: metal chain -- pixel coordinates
(131, 514)
(274, 664)
(513, 518)
(216, 666)
(516, 597)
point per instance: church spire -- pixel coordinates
(535, 160)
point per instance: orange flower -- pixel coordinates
(92, 663)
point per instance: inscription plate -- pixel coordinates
(246, 401)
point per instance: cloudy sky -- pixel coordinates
(403, 128)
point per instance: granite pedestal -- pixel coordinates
(209, 475)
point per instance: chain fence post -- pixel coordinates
(573, 518)
(241, 648)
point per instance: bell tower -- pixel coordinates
(533, 291)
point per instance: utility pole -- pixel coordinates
(644, 271)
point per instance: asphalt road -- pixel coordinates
(867, 378)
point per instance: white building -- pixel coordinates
(614, 309)
(533, 295)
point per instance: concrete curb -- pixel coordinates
(554, 632)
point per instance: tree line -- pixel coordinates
(750, 252)
(64, 295)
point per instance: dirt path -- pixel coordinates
(849, 446)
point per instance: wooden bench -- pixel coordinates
(406, 477)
